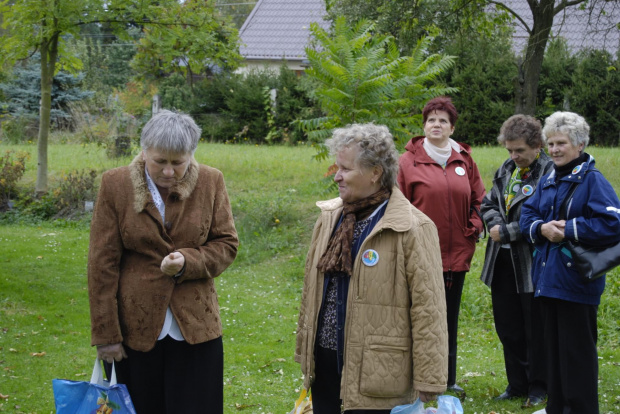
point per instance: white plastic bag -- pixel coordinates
(446, 404)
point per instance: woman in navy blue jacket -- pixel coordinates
(568, 303)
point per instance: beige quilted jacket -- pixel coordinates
(396, 341)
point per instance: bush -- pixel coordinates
(74, 189)
(595, 95)
(237, 108)
(484, 74)
(12, 168)
(23, 92)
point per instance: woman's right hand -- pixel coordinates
(553, 230)
(111, 353)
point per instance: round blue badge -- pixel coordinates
(577, 169)
(527, 190)
(459, 171)
(370, 257)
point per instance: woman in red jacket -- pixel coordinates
(439, 177)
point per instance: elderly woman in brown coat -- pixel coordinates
(162, 230)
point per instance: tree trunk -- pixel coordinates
(529, 69)
(49, 53)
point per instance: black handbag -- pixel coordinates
(591, 262)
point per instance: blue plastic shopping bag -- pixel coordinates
(446, 404)
(94, 397)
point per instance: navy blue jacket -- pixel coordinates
(593, 218)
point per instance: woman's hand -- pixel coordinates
(427, 396)
(553, 230)
(172, 264)
(111, 353)
(494, 233)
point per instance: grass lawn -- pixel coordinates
(44, 319)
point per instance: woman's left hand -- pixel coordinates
(172, 264)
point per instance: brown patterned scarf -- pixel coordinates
(337, 256)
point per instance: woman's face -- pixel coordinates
(438, 128)
(522, 154)
(561, 149)
(355, 184)
(165, 168)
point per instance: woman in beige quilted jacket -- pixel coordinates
(372, 326)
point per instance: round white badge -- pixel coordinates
(459, 171)
(370, 257)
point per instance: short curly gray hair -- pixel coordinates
(376, 148)
(569, 123)
(171, 131)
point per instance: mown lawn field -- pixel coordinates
(44, 316)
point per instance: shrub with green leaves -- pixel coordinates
(361, 77)
(595, 95)
(237, 108)
(12, 168)
(484, 74)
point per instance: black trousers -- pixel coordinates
(519, 328)
(175, 377)
(326, 386)
(572, 359)
(454, 282)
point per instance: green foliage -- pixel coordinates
(596, 95)
(555, 78)
(362, 77)
(193, 39)
(175, 93)
(484, 73)
(12, 168)
(238, 108)
(23, 92)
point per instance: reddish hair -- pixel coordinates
(441, 103)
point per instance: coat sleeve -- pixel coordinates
(489, 209)
(220, 247)
(477, 194)
(104, 256)
(306, 295)
(600, 222)
(428, 309)
(402, 178)
(532, 218)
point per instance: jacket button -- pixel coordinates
(543, 264)
(569, 264)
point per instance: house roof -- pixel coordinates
(582, 29)
(278, 29)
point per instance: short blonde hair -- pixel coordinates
(569, 123)
(376, 148)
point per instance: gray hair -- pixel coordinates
(171, 131)
(569, 123)
(376, 148)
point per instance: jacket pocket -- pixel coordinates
(386, 369)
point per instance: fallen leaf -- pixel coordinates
(4, 397)
(37, 354)
(39, 257)
(243, 406)
(12, 350)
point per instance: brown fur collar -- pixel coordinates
(182, 189)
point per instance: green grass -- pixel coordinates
(44, 303)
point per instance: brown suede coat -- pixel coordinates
(128, 292)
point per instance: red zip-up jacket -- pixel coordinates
(451, 197)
